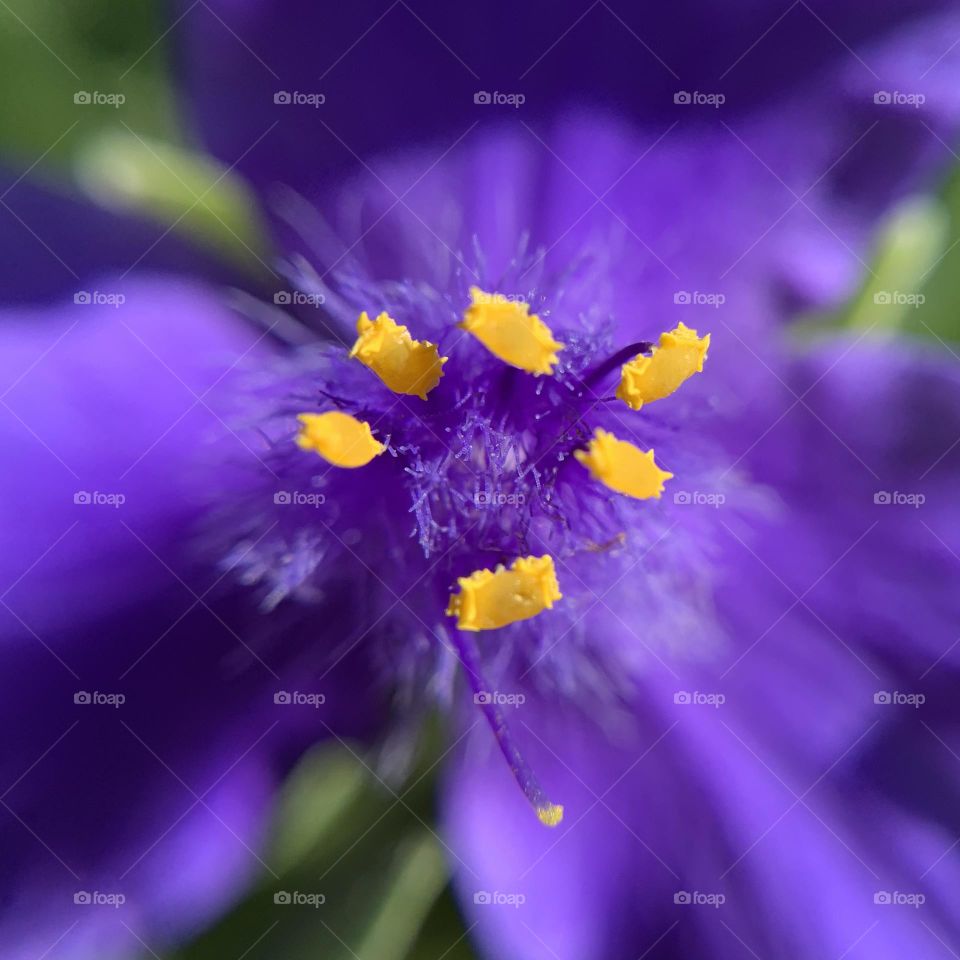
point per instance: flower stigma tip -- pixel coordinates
(407, 366)
(339, 438)
(677, 357)
(550, 814)
(489, 599)
(510, 332)
(622, 466)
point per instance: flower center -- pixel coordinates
(491, 599)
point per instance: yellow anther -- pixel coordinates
(489, 599)
(678, 356)
(408, 366)
(550, 814)
(339, 438)
(509, 331)
(622, 466)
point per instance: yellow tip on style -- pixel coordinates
(623, 467)
(677, 357)
(550, 814)
(407, 366)
(509, 331)
(339, 438)
(489, 599)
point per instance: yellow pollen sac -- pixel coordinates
(509, 331)
(623, 467)
(407, 366)
(678, 356)
(489, 599)
(339, 438)
(550, 814)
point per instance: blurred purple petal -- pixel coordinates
(770, 579)
(151, 743)
(814, 787)
(815, 68)
(106, 407)
(55, 243)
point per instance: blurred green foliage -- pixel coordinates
(354, 871)
(912, 286)
(130, 154)
(938, 315)
(53, 49)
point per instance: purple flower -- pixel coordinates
(714, 683)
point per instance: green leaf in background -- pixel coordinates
(938, 316)
(354, 871)
(180, 189)
(87, 100)
(913, 287)
(910, 245)
(53, 51)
